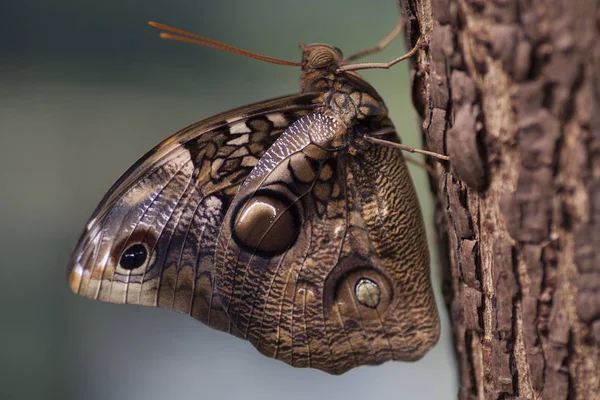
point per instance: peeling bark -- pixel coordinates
(510, 90)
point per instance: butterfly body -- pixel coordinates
(279, 223)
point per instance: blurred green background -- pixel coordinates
(86, 87)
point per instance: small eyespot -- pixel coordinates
(357, 290)
(133, 257)
(368, 292)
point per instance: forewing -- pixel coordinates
(151, 240)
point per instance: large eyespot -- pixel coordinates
(133, 257)
(266, 223)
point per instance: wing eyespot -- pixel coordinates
(358, 290)
(368, 292)
(363, 293)
(133, 257)
(266, 223)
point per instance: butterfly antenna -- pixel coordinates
(187, 37)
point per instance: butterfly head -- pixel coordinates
(320, 56)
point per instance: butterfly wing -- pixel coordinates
(151, 240)
(313, 266)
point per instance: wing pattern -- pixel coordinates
(308, 267)
(151, 241)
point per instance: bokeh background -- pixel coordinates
(86, 87)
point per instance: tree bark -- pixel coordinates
(510, 90)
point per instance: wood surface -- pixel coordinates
(510, 89)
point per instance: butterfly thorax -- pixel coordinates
(345, 94)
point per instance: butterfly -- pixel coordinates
(291, 223)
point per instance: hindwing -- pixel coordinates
(314, 262)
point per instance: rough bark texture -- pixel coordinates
(510, 90)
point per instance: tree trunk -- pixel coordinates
(510, 90)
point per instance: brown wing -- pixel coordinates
(151, 240)
(322, 259)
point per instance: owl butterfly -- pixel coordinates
(285, 223)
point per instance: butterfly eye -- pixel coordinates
(266, 224)
(367, 292)
(133, 257)
(321, 58)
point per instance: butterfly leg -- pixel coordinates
(406, 147)
(354, 67)
(420, 164)
(381, 45)
(371, 138)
